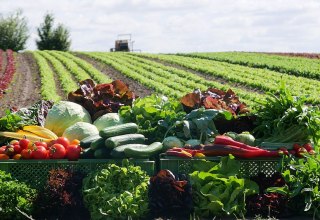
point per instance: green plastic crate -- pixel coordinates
(35, 172)
(248, 167)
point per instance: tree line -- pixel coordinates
(14, 33)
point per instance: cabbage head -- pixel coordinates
(108, 120)
(80, 130)
(64, 114)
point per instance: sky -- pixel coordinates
(162, 26)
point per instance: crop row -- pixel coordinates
(7, 76)
(298, 66)
(265, 80)
(191, 79)
(66, 80)
(48, 85)
(177, 80)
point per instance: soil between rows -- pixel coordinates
(134, 86)
(24, 90)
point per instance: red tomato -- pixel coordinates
(41, 143)
(63, 141)
(73, 152)
(4, 157)
(17, 157)
(57, 151)
(17, 149)
(26, 153)
(3, 149)
(24, 143)
(39, 152)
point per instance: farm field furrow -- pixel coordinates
(67, 80)
(185, 81)
(291, 65)
(264, 80)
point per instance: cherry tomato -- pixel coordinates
(9, 150)
(26, 153)
(75, 142)
(39, 152)
(41, 143)
(4, 157)
(17, 157)
(73, 152)
(17, 149)
(57, 151)
(24, 143)
(63, 141)
(3, 149)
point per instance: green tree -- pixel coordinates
(13, 31)
(52, 38)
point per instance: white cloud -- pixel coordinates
(181, 25)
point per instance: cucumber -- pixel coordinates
(99, 143)
(116, 141)
(118, 152)
(128, 128)
(87, 153)
(143, 152)
(86, 142)
(102, 153)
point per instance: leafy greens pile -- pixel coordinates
(154, 115)
(14, 194)
(214, 99)
(102, 98)
(116, 192)
(287, 118)
(218, 191)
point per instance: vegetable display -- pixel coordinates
(108, 193)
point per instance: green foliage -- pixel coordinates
(52, 38)
(302, 178)
(154, 115)
(14, 194)
(219, 191)
(116, 192)
(13, 31)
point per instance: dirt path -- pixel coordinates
(25, 87)
(139, 89)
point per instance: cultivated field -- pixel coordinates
(51, 75)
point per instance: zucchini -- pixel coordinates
(128, 128)
(99, 143)
(144, 152)
(118, 152)
(86, 142)
(116, 141)
(102, 153)
(87, 153)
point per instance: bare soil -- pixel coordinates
(139, 89)
(25, 87)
